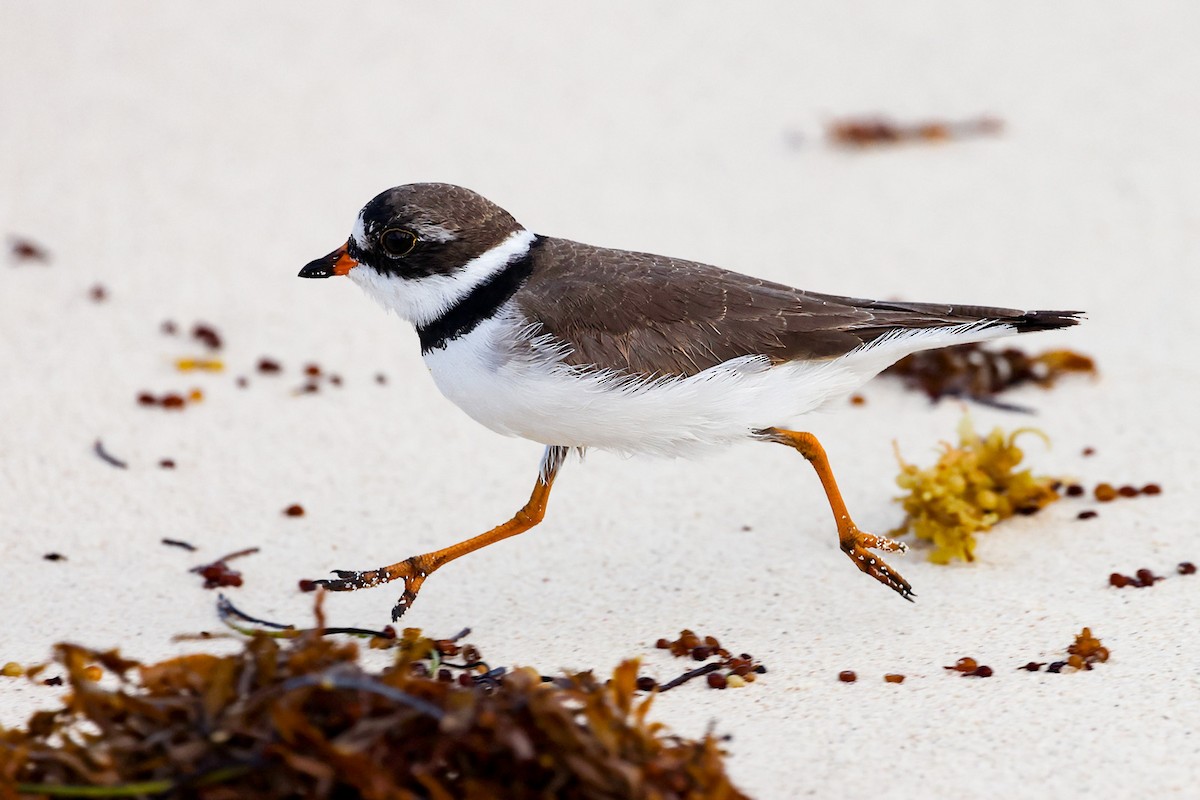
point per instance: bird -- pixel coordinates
(576, 346)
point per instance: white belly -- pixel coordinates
(519, 387)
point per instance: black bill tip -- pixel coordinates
(321, 268)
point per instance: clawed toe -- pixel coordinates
(859, 545)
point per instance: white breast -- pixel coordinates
(511, 379)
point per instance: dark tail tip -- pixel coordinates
(1046, 320)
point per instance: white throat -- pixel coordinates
(422, 300)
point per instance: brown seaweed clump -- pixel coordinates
(296, 715)
(971, 488)
(1084, 652)
(976, 373)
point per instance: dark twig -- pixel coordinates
(106, 457)
(180, 543)
(712, 666)
(226, 610)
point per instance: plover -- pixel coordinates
(576, 346)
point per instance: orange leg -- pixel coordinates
(413, 571)
(855, 543)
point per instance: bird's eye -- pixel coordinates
(398, 242)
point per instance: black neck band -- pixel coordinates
(480, 304)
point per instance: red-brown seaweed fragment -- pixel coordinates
(218, 574)
(862, 132)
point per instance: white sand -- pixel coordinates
(192, 157)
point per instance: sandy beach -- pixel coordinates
(190, 158)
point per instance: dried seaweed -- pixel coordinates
(296, 715)
(971, 488)
(726, 671)
(1082, 654)
(862, 132)
(973, 372)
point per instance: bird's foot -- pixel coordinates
(410, 571)
(858, 545)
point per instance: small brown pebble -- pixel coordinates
(647, 684)
(1105, 492)
(1147, 577)
(716, 680)
(55, 681)
(981, 672)
(241, 382)
(294, 510)
(269, 366)
(1151, 488)
(746, 529)
(336, 380)
(195, 395)
(167, 463)
(312, 370)
(1088, 514)
(662, 644)
(98, 293)
(172, 401)
(1033, 666)
(168, 328)
(26, 250)
(54, 557)
(893, 677)
(307, 586)
(1186, 568)
(146, 399)
(12, 670)
(857, 400)
(381, 379)
(701, 652)
(1128, 491)
(847, 676)
(308, 388)
(1089, 451)
(465, 680)
(93, 673)
(207, 335)
(1074, 490)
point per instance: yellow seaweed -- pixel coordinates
(971, 487)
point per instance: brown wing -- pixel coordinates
(653, 315)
